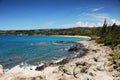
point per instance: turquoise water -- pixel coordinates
(33, 49)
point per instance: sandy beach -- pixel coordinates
(73, 36)
(92, 66)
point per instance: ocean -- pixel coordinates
(33, 50)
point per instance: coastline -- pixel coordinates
(93, 66)
(54, 43)
(72, 36)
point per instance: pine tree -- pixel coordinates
(104, 26)
(113, 26)
(103, 30)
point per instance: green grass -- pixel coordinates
(115, 55)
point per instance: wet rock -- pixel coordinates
(41, 67)
(74, 48)
(63, 61)
(64, 42)
(1, 71)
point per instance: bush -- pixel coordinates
(115, 55)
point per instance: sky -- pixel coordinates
(49, 14)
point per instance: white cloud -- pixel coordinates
(99, 17)
(95, 20)
(114, 21)
(97, 9)
(83, 24)
(87, 24)
(102, 17)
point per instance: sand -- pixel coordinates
(73, 36)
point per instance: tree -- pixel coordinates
(103, 30)
(113, 26)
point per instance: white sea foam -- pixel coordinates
(59, 60)
(41, 64)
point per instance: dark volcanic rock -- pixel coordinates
(81, 63)
(64, 61)
(95, 59)
(75, 47)
(115, 67)
(64, 42)
(114, 62)
(39, 68)
(83, 70)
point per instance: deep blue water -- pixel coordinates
(32, 49)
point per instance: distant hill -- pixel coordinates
(69, 31)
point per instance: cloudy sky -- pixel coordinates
(44, 14)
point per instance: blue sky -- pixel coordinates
(44, 14)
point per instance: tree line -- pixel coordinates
(109, 35)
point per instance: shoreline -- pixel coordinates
(93, 62)
(59, 42)
(54, 62)
(72, 36)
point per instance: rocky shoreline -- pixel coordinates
(94, 65)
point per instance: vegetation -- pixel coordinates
(70, 31)
(110, 35)
(115, 55)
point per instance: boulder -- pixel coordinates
(63, 61)
(81, 63)
(40, 67)
(73, 48)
